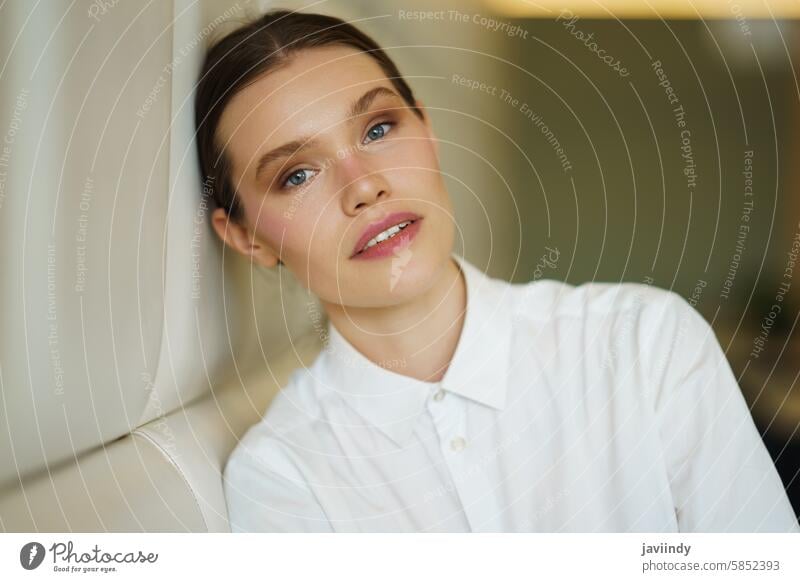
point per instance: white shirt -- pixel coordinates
(592, 408)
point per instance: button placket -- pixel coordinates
(453, 442)
(451, 433)
(469, 477)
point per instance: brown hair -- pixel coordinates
(246, 54)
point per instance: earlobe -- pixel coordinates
(225, 228)
(232, 234)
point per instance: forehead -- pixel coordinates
(311, 94)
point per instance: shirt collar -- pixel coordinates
(478, 371)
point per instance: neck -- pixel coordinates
(416, 338)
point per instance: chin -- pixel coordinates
(397, 279)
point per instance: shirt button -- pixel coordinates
(458, 444)
(439, 395)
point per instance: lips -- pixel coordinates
(376, 228)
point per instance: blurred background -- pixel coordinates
(644, 141)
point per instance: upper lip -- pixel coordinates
(378, 227)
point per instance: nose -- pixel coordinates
(363, 184)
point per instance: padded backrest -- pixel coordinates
(134, 350)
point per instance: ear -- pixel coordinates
(241, 239)
(427, 121)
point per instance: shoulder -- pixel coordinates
(257, 454)
(266, 446)
(622, 323)
(265, 486)
(547, 299)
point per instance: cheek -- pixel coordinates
(418, 171)
(292, 233)
(417, 153)
(417, 168)
(275, 229)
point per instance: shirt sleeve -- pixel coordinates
(721, 475)
(266, 494)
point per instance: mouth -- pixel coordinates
(382, 237)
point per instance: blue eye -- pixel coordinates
(296, 178)
(377, 131)
(300, 177)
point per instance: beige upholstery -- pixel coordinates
(164, 476)
(132, 354)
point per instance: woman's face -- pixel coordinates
(310, 206)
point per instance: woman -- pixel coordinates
(447, 400)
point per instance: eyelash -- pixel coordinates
(285, 180)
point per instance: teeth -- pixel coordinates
(386, 234)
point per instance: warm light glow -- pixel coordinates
(683, 9)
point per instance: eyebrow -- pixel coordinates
(357, 108)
